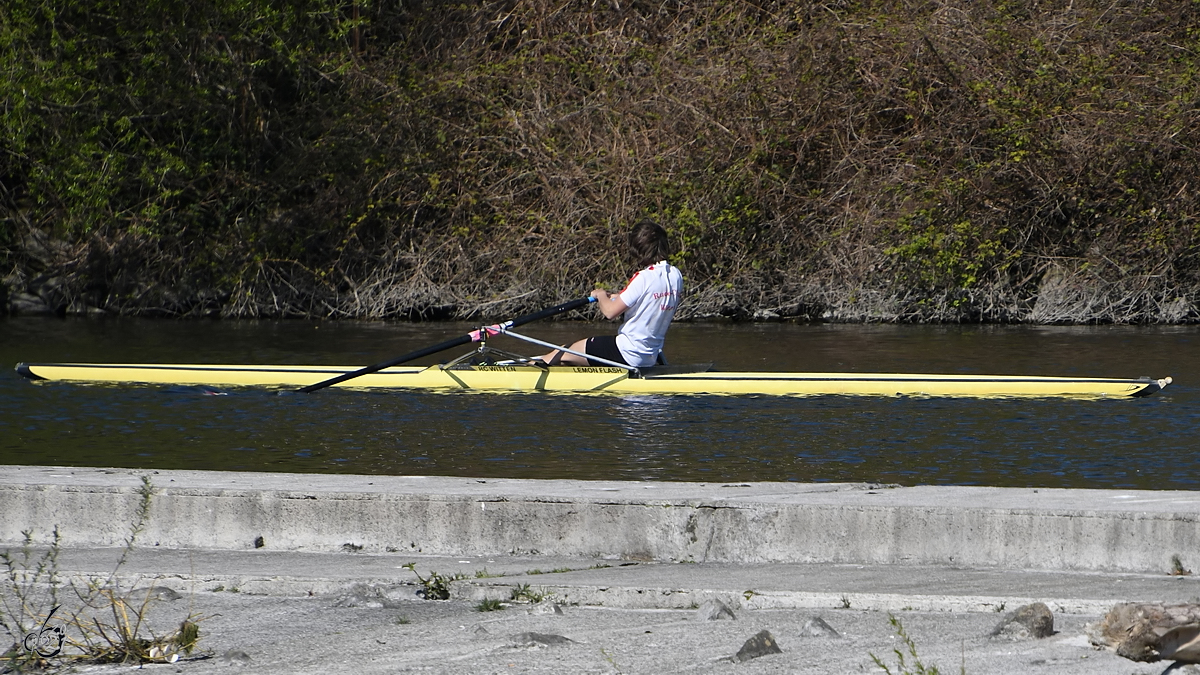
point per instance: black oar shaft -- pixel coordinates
(443, 346)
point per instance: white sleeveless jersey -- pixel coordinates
(651, 296)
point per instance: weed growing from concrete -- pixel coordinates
(30, 599)
(435, 586)
(1177, 568)
(523, 593)
(903, 667)
(489, 605)
(25, 575)
(845, 602)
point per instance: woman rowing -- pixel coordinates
(648, 303)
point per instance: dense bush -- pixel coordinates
(941, 161)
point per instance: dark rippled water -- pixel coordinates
(1140, 443)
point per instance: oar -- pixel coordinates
(473, 336)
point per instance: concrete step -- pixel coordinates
(631, 585)
(743, 523)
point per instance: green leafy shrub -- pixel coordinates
(864, 160)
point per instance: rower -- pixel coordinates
(648, 301)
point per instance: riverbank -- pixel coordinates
(303, 573)
(868, 162)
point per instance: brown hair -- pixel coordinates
(649, 243)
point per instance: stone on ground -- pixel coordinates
(817, 627)
(761, 644)
(714, 610)
(540, 639)
(1027, 621)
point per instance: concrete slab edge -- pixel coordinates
(613, 597)
(746, 523)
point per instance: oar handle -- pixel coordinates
(549, 312)
(448, 344)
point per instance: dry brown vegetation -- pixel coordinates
(924, 161)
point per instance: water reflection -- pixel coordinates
(646, 423)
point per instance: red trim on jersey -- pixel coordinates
(628, 283)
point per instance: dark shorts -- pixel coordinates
(604, 346)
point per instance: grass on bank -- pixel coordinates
(53, 622)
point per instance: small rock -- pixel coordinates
(54, 292)
(235, 657)
(546, 608)
(760, 645)
(714, 610)
(540, 639)
(373, 597)
(1027, 621)
(158, 593)
(816, 627)
(27, 303)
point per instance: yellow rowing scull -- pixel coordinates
(670, 380)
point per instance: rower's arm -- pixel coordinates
(611, 306)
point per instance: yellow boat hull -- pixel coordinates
(587, 379)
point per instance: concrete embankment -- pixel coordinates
(310, 574)
(1039, 529)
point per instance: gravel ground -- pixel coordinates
(335, 633)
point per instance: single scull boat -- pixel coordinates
(520, 376)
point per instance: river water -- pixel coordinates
(1147, 443)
